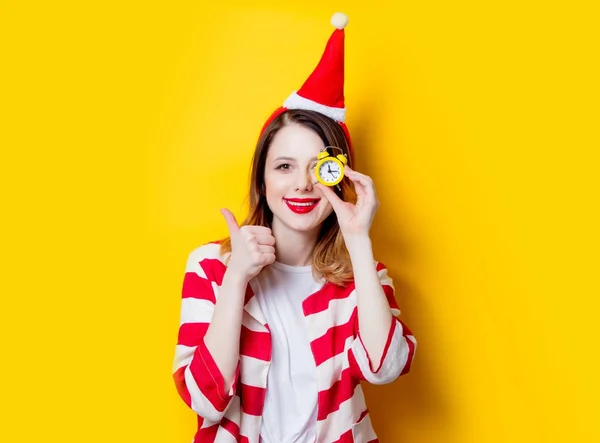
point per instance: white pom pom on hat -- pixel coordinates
(339, 20)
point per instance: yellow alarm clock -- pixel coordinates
(329, 169)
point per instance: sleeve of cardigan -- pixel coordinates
(197, 378)
(399, 349)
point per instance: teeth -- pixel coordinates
(301, 204)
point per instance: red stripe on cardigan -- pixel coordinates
(231, 427)
(195, 286)
(191, 334)
(332, 342)
(362, 415)
(206, 434)
(255, 344)
(330, 399)
(389, 294)
(253, 399)
(319, 301)
(346, 437)
(214, 269)
(411, 348)
(182, 390)
(393, 326)
(209, 379)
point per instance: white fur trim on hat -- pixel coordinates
(294, 101)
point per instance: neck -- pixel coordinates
(294, 248)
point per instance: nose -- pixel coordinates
(304, 182)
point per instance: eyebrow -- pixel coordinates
(293, 159)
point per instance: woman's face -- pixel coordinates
(289, 178)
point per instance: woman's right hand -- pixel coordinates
(252, 247)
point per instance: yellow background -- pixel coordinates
(126, 126)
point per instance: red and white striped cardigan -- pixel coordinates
(340, 356)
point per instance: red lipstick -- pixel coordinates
(301, 205)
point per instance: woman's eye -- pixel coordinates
(284, 166)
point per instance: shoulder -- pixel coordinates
(383, 273)
(380, 266)
(205, 256)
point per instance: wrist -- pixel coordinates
(358, 243)
(235, 279)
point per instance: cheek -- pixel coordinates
(275, 187)
(327, 209)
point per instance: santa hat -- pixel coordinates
(323, 91)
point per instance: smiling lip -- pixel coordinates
(301, 205)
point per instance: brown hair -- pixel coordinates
(330, 257)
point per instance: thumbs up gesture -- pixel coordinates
(252, 247)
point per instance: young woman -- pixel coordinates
(281, 321)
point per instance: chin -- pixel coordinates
(300, 225)
(307, 222)
(301, 222)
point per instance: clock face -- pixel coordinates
(330, 171)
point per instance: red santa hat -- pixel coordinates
(323, 91)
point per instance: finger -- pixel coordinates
(257, 230)
(365, 180)
(268, 259)
(255, 241)
(265, 240)
(265, 249)
(358, 186)
(330, 195)
(362, 180)
(232, 224)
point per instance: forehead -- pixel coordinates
(295, 141)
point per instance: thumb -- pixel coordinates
(232, 223)
(330, 195)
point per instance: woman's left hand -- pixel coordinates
(354, 219)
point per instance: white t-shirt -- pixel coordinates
(290, 409)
